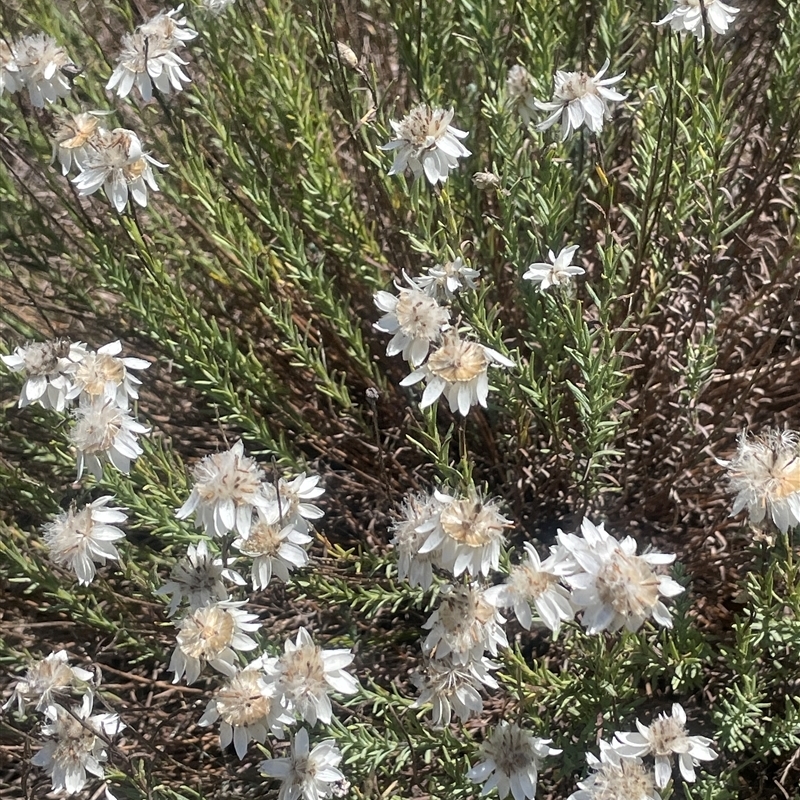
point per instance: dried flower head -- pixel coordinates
(418, 517)
(615, 777)
(614, 586)
(580, 99)
(558, 272)
(79, 539)
(664, 737)
(459, 370)
(520, 90)
(346, 55)
(275, 550)
(44, 68)
(47, 679)
(74, 133)
(689, 16)
(510, 761)
(426, 143)
(764, 474)
(228, 488)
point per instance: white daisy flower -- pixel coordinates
(105, 432)
(148, 59)
(426, 143)
(217, 7)
(44, 68)
(306, 673)
(102, 375)
(210, 635)
(115, 161)
(444, 281)
(275, 550)
(76, 747)
(306, 774)
(418, 517)
(248, 708)
(464, 625)
(557, 273)
(228, 488)
(49, 366)
(48, 678)
(72, 137)
(687, 16)
(288, 505)
(617, 777)
(459, 370)
(664, 737)
(79, 539)
(415, 320)
(535, 583)
(580, 99)
(198, 577)
(615, 588)
(453, 688)
(10, 80)
(520, 90)
(510, 761)
(764, 474)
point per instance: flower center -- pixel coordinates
(303, 669)
(629, 781)
(530, 582)
(207, 633)
(578, 85)
(94, 372)
(242, 701)
(264, 540)
(420, 316)
(469, 522)
(668, 736)
(458, 361)
(628, 585)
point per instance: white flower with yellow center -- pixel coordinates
(44, 68)
(615, 588)
(71, 138)
(306, 774)
(48, 678)
(469, 534)
(418, 517)
(426, 142)
(248, 708)
(520, 90)
(105, 432)
(415, 320)
(689, 16)
(558, 272)
(79, 539)
(449, 687)
(102, 375)
(289, 503)
(305, 673)
(535, 583)
(665, 737)
(275, 550)
(228, 488)
(210, 635)
(616, 777)
(49, 367)
(510, 761)
(464, 625)
(580, 99)
(198, 577)
(76, 747)
(764, 474)
(459, 370)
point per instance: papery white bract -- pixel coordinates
(306, 673)
(228, 488)
(217, 7)
(687, 16)
(79, 539)
(459, 370)
(49, 367)
(10, 80)
(664, 737)
(615, 587)
(76, 747)
(44, 68)
(275, 550)
(616, 777)
(210, 635)
(48, 678)
(306, 774)
(520, 89)
(105, 432)
(557, 273)
(510, 761)
(580, 99)
(103, 376)
(248, 708)
(426, 142)
(443, 281)
(419, 516)
(289, 503)
(764, 474)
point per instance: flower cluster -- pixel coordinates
(75, 737)
(38, 64)
(148, 56)
(450, 364)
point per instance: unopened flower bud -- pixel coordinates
(347, 56)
